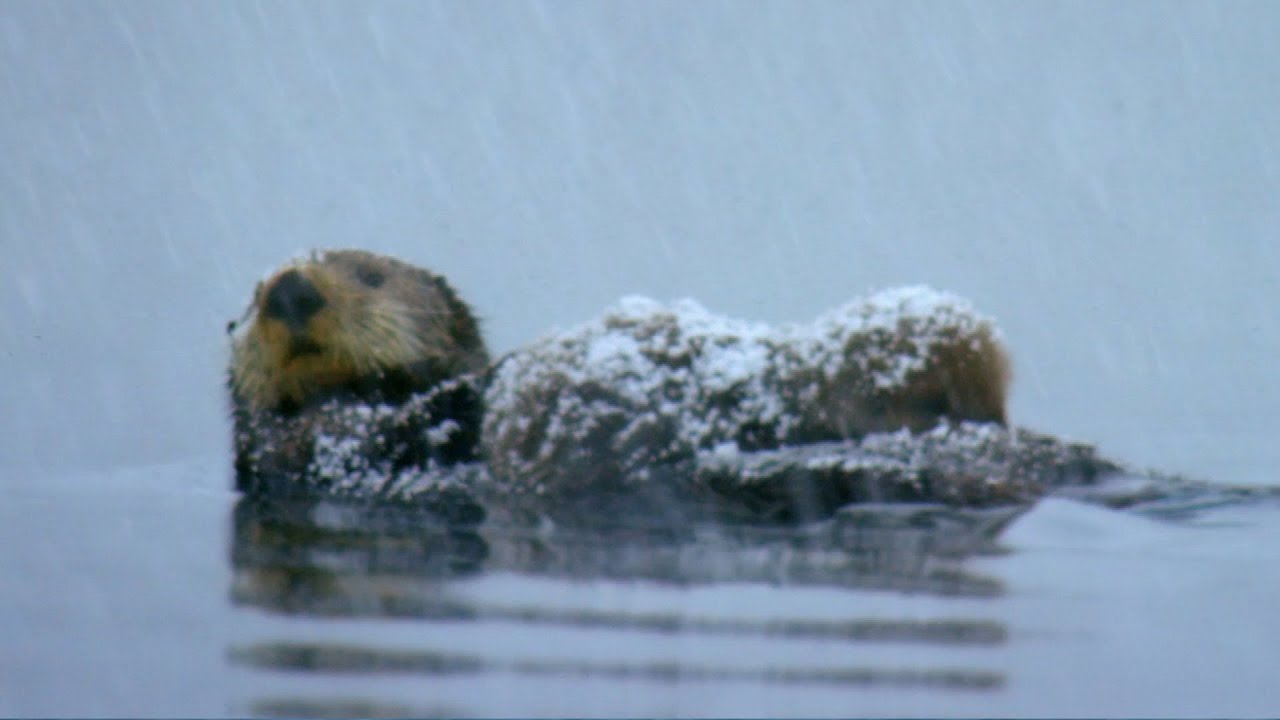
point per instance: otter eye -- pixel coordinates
(371, 277)
(231, 326)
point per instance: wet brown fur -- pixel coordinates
(839, 389)
(386, 329)
(965, 376)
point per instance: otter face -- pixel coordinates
(349, 321)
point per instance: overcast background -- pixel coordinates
(1102, 178)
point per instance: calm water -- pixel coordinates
(147, 591)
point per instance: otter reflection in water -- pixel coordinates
(326, 558)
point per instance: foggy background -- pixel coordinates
(1101, 178)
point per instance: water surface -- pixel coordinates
(136, 593)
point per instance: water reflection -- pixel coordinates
(318, 657)
(304, 707)
(324, 558)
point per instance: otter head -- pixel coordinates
(349, 322)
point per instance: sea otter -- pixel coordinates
(356, 375)
(352, 348)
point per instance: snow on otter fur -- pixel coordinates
(647, 384)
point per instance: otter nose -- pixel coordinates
(293, 300)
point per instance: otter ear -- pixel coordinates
(370, 276)
(231, 326)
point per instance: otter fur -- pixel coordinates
(343, 329)
(647, 385)
(357, 376)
